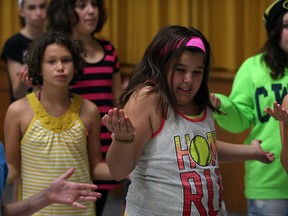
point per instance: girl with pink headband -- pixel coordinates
(163, 131)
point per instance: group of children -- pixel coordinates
(100, 80)
(259, 88)
(163, 133)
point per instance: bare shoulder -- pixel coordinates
(142, 107)
(89, 107)
(144, 95)
(19, 114)
(142, 101)
(89, 114)
(19, 107)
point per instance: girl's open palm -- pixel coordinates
(119, 124)
(64, 192)
(278, 113)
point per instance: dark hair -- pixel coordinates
(274, 56)
(61, 16)
(161, 55)
(35, 53)
(272, 13)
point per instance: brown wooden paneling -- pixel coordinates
(4, 97)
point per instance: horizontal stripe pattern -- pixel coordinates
(93, 83)
(96, 85)
(46, 154)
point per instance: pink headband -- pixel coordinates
(193, 42)
(196, 42)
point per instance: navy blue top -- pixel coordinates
(3, 172)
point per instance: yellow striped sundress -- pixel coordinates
(50, 146)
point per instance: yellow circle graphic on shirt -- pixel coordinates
(200, 151)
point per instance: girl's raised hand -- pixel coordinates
(23, 75)
(119, 124)
(278, 113)
(215, 101)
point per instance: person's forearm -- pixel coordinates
(117, 87)
(101, 172)
(228, 152)
(12, 175)
(120, 159)
(27, 206)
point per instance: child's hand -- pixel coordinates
(119, 124)
(215, 101)
(63, 191)
(278, 112)
(23, 75)
(261, 155)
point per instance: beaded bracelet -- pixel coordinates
(119, 141)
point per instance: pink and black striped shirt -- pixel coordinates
(96, 85)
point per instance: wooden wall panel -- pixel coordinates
(4, 97)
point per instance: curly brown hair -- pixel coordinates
(34, 56)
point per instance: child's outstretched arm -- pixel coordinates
(121, 154)
(13, 131)
(130, 134)
(91, 118)
(60, 191)
(281, 113)
(228, 152)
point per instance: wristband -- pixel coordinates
(120, 141)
